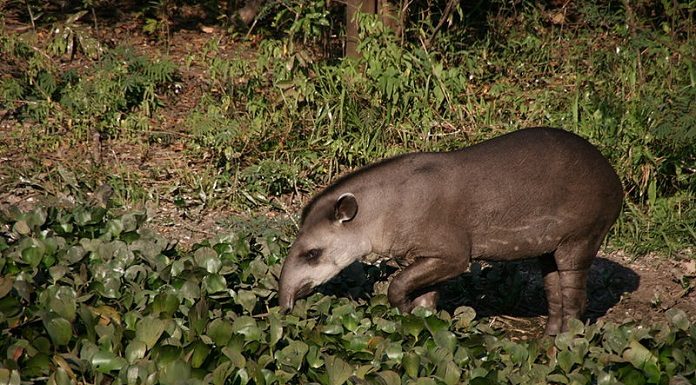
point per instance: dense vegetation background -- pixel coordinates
(113, 112)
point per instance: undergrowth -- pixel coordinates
(288, 120)
(89, 295)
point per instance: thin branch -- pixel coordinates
(445, 15)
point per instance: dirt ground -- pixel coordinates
(620, 287)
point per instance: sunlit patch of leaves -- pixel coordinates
(91, 295)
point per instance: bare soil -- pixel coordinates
(620, 287)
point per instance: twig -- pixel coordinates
(443, 19)
(31, 15)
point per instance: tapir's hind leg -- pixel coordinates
(573, 261)
(420, 274)
(554, 294)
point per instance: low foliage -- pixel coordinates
(88, 295)
(289, 118)
(114, 97)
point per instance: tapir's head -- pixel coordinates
(332, 236)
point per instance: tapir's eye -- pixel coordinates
(313, 254)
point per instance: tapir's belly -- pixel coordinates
(527, 239)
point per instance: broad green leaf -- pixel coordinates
(208, 259)
(314, 358)
(60, 299)
(445, 339)
(236, 357)
(59, 377)
(566, 360)
(106, 362)
(247, 326)
(33, 251)
(338, 370)
(412, 325)
(435, 324)
(165, 303)
(58, 328)
(449, 372)
(292, 356)
(642, 358)
(149, 330)
(198, 316)
(411, 364)
(200, 354)
(175, 372)
(275, 329)
(74, 254)
(220, 331)
(390, 377)
(678, 318)
(247, 299)
(215, 283)
(135, 350)
(463, 317)
(394, 351)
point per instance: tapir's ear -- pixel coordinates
(346, 208)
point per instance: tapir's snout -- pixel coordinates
(293, 284)
(288, 296)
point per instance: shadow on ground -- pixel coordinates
(511, 290)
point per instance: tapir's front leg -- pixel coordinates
(422, 273)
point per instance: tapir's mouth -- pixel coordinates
(304, 290)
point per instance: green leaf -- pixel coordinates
(566, 360)
(338, 370)
(106, 362)
(220, 331)
(165, 303)
(463, 316)
(200, 354)
(247, 299)
(290, 357)
(208, 259)
(449, 372)
(641, 358)
(390, 377)
(412, 325)
(215, 283)
(247, 327)
(135, 350)
(275, 329)
(33, 251)
(58, 328)
(314, 358)
(678, 318)
(60, 299)
(149, 330)
(236, 357)
(21, 227)
(175, 372)
(198, 316)
(411, 364)
(445, 339)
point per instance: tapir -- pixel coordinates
(536, 192)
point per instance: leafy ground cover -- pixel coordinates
(202, 128)
(91, 296)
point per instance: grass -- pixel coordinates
(284, 120)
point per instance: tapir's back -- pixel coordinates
(534, 188)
